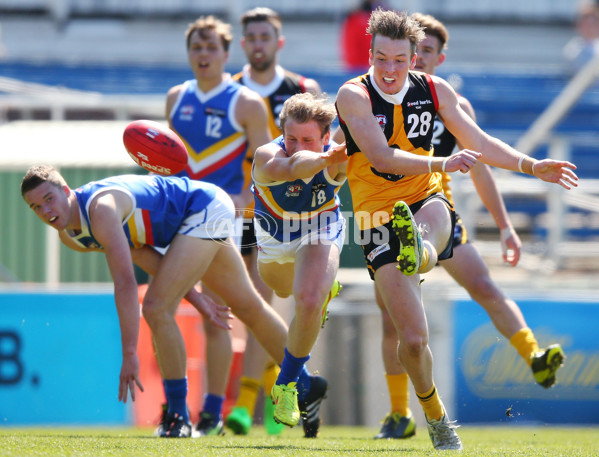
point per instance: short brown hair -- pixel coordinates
(307, 107)
(433, 27)
(396, 25)
(39, 174)
(205, 23)
(262, 14)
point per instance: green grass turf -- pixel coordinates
(333, 441)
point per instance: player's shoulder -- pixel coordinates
(304, 83)
(237, 77)
(292, 75)
(176, 89)
(355, 87)
(250, 104)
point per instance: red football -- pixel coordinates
(155, 147)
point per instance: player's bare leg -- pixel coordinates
(228, 277)
(219, 356)
(186, 260)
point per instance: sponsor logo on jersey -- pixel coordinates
(293, 190)
(418, 103)
(186, 112)
(382, 120)
(215, 112)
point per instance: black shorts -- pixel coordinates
(248, 237)
(381, 246)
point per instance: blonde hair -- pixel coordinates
(205, 23)
(307, 107)
(396, 25)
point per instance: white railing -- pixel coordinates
(558, 200)
(533, 10)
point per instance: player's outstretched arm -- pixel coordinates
(272, 164)
(355, 110)
(106, 224)
(494, 151)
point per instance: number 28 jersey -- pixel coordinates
(406, 120)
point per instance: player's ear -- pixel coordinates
(413, 62)
(66, 189)
(440, 59)
(370, 57)
(280, 42)
(326, 139)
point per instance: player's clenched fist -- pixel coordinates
(462, 161)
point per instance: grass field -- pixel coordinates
(333, 441)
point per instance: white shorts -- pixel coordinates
(271, 250)
(216, 222)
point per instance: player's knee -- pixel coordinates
(153, 312)
(309, 300)
(414, 345)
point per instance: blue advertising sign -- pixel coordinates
(60, 357)
(493, 383)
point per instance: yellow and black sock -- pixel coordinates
(431, 403)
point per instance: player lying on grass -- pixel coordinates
(123, 214)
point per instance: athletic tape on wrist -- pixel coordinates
(520, 164)
(505, 233)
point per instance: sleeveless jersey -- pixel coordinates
(284, 85)
(407, 126)
(444, 143)
(290, 209)
(216, 143)
(159, 207)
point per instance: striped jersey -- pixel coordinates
(406, 119)
(216, 143)
(290, 209)
(159, 207)
(284, 85)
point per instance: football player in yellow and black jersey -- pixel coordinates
(466, 266)
(387, 117)
(261, 41)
